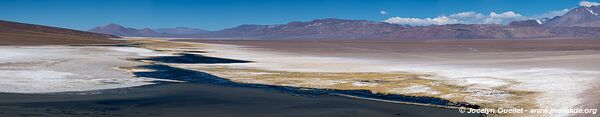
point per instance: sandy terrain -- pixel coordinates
(552, 73)
(46, 69)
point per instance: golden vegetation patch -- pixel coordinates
(378, 82)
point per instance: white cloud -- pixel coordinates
(382, 12)
(469, 14)
(588, 3)
(471, 17)
(551, 14)
(503, 18)
(462, 18)
(420, 22)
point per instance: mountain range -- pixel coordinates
(577, 17)
(115, 29)
(581, 22)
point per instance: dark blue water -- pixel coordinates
(192, 58)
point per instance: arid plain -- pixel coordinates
(561, 73)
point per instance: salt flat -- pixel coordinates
(47, 69)
(31, 75)
(559, 73)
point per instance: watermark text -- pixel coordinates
(529, 111)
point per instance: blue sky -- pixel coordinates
(219, 14)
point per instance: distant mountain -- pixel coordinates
(317, 29)
(14, 33)
(581, 22)
(577, 17)
(362, 29)
(115, 29)
(527, 23)
(180, 31)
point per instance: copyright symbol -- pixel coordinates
(462, 109)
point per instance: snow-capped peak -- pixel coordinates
(592, 12)
(538, 21)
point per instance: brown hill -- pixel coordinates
(14, 33)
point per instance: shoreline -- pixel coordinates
(200, 77)
(195, 99)
(507, 65)
(216, 51)
(185, 57)
(45, 103)
(88, 96)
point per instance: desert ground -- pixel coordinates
(561, 73)
(103, 80)
(489, 73)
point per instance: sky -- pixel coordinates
(221, 14)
